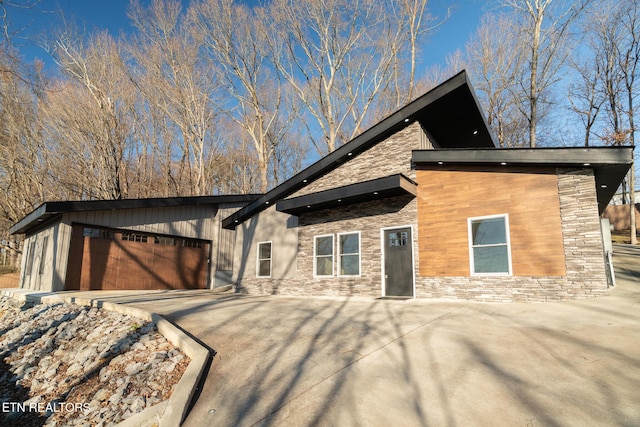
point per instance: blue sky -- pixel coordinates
(112, 15)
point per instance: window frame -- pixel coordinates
(315, 256)
(270, 259)
(43, 254)
(340, 254)
(134, 236)
(470, 222)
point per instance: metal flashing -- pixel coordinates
(375, 189)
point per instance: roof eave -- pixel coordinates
(386, 127)
(610, 164)
(48, 211)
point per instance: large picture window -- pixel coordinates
(323, 256)
(264, 259)
(489, 250)
(349, 249)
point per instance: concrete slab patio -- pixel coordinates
(362, 362)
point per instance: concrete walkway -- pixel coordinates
(363, 362)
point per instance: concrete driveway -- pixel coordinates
(362, 362)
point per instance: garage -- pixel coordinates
(116, 259)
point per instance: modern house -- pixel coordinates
(422, 204)
(170, 243)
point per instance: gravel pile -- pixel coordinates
(65, 365)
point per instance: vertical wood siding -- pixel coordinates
(187, 221)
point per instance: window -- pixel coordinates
(349, 249)
(134, 237)
(399, 238)
(264, 259)
(30, 255)
(97, 233)
(166, 241)
(43, 254)
(489, 251)
(323, 256)
(191, 244)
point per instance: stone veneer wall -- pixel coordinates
(584, 257)
(368, 219)
(388, 157)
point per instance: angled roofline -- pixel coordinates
(609, 164)
(49, 210)
(393, 123)
(375, 189)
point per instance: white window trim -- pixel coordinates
(508, 239)
(333, 256)
(258, 260)
(339, 254)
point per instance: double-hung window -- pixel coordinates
(264, 259)
(489, 247)
(323, 256)
(349, 250)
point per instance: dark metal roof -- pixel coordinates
(610, 164)
(450, 113)
(375, 189)
(49, 210)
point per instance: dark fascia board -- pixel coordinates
(375, 189)
(610, 164)
(383, 129)
(558, 156)
(50, 210)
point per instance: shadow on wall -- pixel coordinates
(618, 216)
(260, 228)
(136, 262)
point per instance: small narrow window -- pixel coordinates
(349, 249)
(134, 237)
(323, 256)
(166, 241)
(264, 259)
(43, 254)
(489, 245)
(97, 233)
(399, 238)
(30, 255)
(191, 244)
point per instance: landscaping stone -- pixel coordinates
(75, 365)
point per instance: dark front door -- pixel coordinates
(398, 262)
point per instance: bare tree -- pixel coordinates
(236, 39)
(585, 94)
(616, 49)
(171, 74)
(91, 113)
(546, 27)
(494, 57)
(629, 59)
(23, 159)
(339, 56)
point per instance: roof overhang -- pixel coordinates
(49, 211)
(609, 164)
(450, 113)
(381, 188)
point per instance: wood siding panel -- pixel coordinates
(114, 263)
(447, 198)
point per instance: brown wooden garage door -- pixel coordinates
(117, 259)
